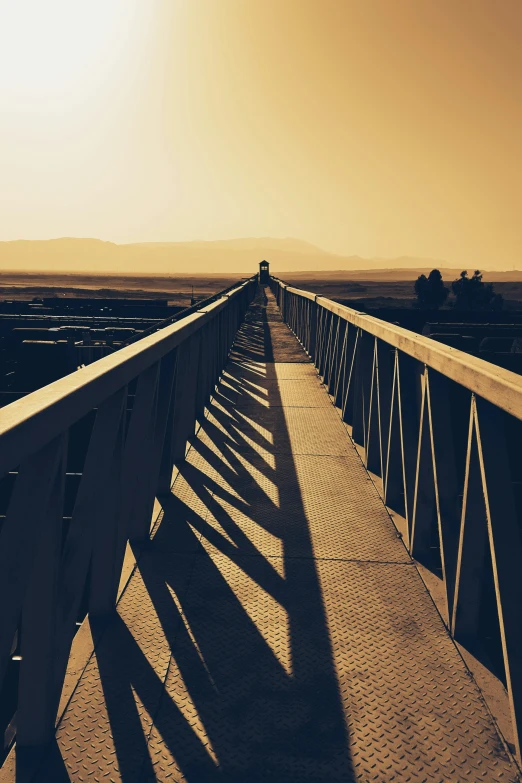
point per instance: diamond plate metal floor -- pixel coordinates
(276, 628)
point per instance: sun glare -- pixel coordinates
(58, 46)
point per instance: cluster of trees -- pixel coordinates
(471, 293)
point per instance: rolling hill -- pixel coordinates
(234, 256)
(222, 256)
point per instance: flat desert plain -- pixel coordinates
(377, 288)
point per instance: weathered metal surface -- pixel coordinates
(495, 384)
(305, 430)
(418, 410)
(27, 424)
(368, 689)
(275, 629)
(305, 393)
(311, 668)
(56, 567)
(103, 733)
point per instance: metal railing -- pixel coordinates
(442, 432)
(136, 409)
(183, 313)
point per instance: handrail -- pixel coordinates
(501, 387)
(138, 408)
(184, 313)
(27, 424)
(440, 431)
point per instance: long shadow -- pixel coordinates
(251, 692)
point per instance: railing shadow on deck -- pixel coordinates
(262, 720)
(439, 431)
(82, 461)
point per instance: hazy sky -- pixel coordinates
(370, 127)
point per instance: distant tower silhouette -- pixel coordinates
(264, 274)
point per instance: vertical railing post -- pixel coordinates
(385, 356)
(95, 494)
(126, 486)
(141, 515)
(37, 686)
(184, 412)
(424, 506)
(410, 373)
(313, 328)
(372, 440)
(20, 537)
(284, 303)
(338, 391)
(393, 484)
(350, 360)
(335, 356)
(204, 370)
(110, 532)
(445, 477)
(363, 373)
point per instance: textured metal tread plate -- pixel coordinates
(327, 675)
(103, 734)
(284, 352)
(277, 430)
(185, 510)
(301, 506)
(265, 337)
(265, 636)
(301, 392)
(290, 370)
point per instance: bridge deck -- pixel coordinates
(276, 628)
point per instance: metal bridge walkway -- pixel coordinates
(276, 628)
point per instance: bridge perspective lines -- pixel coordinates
(275, 628)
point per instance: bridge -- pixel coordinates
(277, 540)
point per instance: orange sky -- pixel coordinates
(369, 127)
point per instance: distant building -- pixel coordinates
(264, 274)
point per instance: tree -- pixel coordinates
(430, 291)
(471, 293)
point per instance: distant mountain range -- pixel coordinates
(238, 256)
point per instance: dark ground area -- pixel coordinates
(389, 293)
(176, 288)
(376, 288)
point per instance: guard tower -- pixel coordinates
(264, 274)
